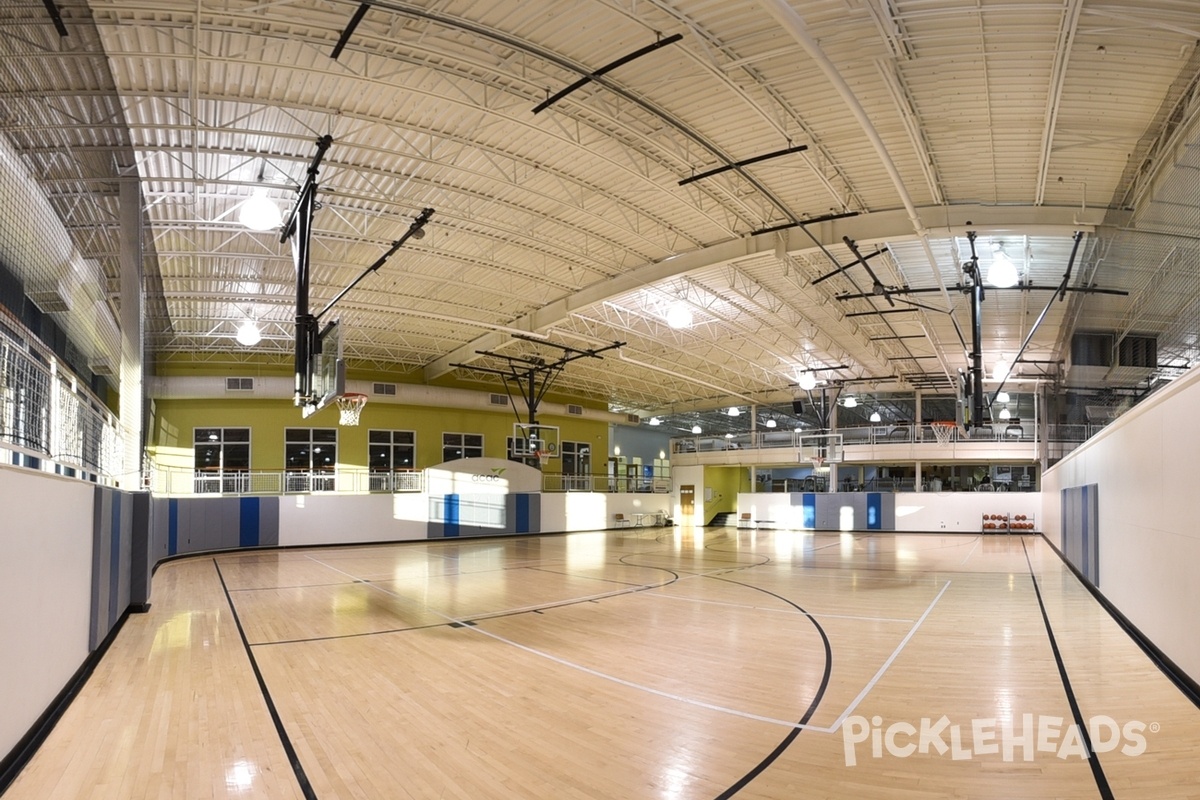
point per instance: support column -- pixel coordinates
(133, 334)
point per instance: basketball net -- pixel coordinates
(350, 407)
(817, 462)
(942, 431)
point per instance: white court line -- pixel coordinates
(871, 683)
(662, 596)
(667, 695)
(971, 552)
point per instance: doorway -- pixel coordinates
(687, 505)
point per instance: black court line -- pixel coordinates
(808, 714)
(285, 740)
(1093, 758)
(1183, 682)
(487, 615)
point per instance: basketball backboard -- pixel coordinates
(529, 440)
(327, 370)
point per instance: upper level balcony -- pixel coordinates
(1012, 442)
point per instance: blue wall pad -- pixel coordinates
(808, 518)
(450, 523)
(173, 526)
(874, 511)
(248, 522)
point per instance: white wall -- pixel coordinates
(962, 512)
(45, 592)
(591, 511)
(1144, 465)
(342, 519)
(955, 512)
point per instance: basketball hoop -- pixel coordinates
(350, 406)
(942, 431)
(817, 462)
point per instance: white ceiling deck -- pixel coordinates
(1023, 120)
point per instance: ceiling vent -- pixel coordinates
(1138, 351)
(55, 300)
(498, 399)
(575, 411)
(386, 389)
(1091, 350)
(633, 419)
(101, 366)
(239, 384)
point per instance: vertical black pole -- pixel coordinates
(976, 336)
(306, 323)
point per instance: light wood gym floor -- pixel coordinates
(644, 663)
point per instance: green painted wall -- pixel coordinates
(176, 420)
(725, 483)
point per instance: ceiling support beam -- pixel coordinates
(877, 226)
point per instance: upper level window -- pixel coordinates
(222, 459)
(461, 445)
(391, 450)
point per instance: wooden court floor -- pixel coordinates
(644, 663)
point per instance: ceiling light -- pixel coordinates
(875, 417)
(695, 429)
(679, 316)
(771, 423)
(850, 402)
(1002, 397)
(655, 421)
(729, 436)
(260, 213)
(1003, 272)
(734, 411)
(248, 333)
(807, 380)
(799, 429)
(1000, 371)
(1004, 413)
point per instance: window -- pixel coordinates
(222, 459)
(576, 465)
(310, 457)
(461, 445)
(388, 453)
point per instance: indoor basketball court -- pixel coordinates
(656, 663)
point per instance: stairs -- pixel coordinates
(724, 519)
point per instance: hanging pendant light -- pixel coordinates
(260, 213)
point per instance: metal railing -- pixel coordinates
(47, 416)
(357, 480)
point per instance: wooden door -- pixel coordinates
(687, 504)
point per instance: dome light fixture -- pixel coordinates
(729, 436)
(248, 333)
(655, 421)
(260, 213)
(1002, 397)
(1003, 272)
(807, 380)
(679, 316)
(695, 429)
(875, 417)
(1000, 370)
(734, 411)
(850, 402)
(1004, 413)
(771, 422)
